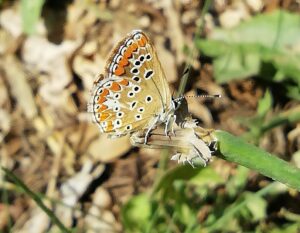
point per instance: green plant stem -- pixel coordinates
(193, 51)
(236, 150)
(37, 200)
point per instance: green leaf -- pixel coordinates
(183, 172)
(242, 51)
(207, 176)
(264, 104)
(293, 91)
(238, 207)
(257, 206)
(136, 213)
(256, 122)
(259, 125)
(31, 12)
(238, 181)
(287, 228)
(185, 213)
(290, 116)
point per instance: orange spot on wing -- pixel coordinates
(109, 126)
(124, 62)
(134, 46)
(124, 82)
(143, 41)
(128, 52)
(140, 43)
(103, 107)
(104, 93)
(119, 71)
(101, 99)
(115, 87)
(104, 116)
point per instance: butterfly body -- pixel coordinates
(133, 92)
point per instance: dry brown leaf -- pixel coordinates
(73, 188)
(5, 124)
(107, 149)
(167, 60)
(175, 30)
(10, 20)
(87, 70)
(42, 56)
(19, 85)
(37, 223)
(232, 17)
(99, 218)
(255, 5)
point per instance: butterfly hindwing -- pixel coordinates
(133, 91)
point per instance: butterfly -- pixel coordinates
(133, 93)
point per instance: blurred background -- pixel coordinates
(50, 53)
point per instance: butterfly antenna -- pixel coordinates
(197, 96)
(204, 96)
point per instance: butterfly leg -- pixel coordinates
(191, 163)
(150, 128)
(169, 124)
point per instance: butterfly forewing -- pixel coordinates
(133, 92)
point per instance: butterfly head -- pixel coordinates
(176, 102)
